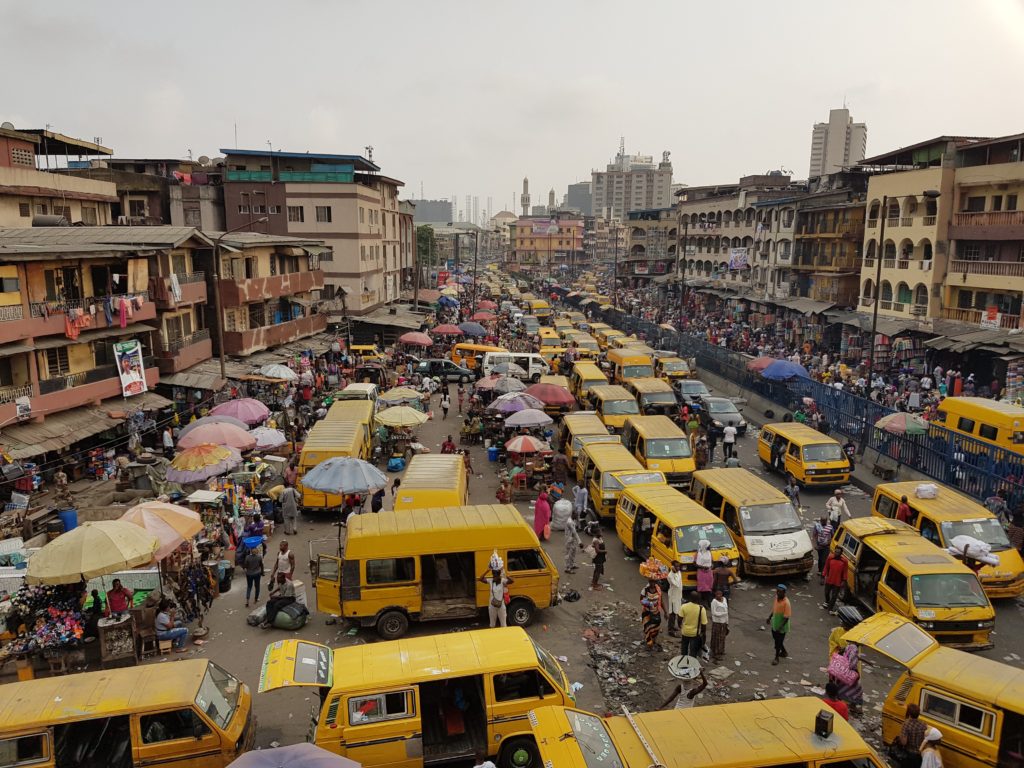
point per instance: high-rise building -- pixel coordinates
(578, 197)
(837, 144)
(433, 211)
(631, 183)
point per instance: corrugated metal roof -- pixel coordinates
(153, 237)
(242, 239)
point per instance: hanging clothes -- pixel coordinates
(108, 310)
(175, 288)
(70, 328)
(123, 312)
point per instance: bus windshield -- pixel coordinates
(638, 371)
(668, 448)
(769, 519)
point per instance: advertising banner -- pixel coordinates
(129, 367)
(738, 258)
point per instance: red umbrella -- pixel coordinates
(415, 339)
(551, 394)
(446, 329)
(486, 304)
(761, 363)
(482, 317)
(526, 444)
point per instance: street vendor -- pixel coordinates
(119, 599)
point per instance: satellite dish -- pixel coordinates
(204, 160)
(7, 125)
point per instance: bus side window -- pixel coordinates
(713, 501)
(965, 425)
(885, 506)
(930, 531)
(730, 518)
(988, 432)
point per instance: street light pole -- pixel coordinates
(217, 303)
(615, 269)
(681, 273)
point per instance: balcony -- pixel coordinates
(903, 264)
(977, 315)
(10, 394)
(892, 221)
(992, 275)
(11, 312)
(192, 287)
(928, 221)
(871, 223)
(989, 225)
(236, 293)
(242, 343)
(181, 353)
(46, 318)
(888, 263)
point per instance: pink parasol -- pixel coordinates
(486, 304)
(218, 434)
(171, 524)
(244, 409)
(415, 339)
(760, 363)
(446, 329)
(526, 444)
(488, 382)
(482, 317)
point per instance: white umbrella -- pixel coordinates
(344, 474)
(528, 417)
(278, 371)
(509, 369)
(506, 385)
(267, 439)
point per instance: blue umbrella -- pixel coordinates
(781, 370)
(344, 474)
(472, 329)
(293, 756)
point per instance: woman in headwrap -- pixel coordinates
(850, 689)
(650, 612)
(542, 517)
(705, 577)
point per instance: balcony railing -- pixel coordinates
(995, 268)
(885, 305)
(11, 312)
(898, 307)
(989, 219)
(888, 263)
(174, 345)
(869, 263)
(928, 221)
(865, 301)
(906, 221)
(903, 264)
(10, 394)
(190, 277)
(976, 316)
(47, 308)
(892, 221)
(871, 223)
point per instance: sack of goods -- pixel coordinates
(970, 547)
(926, 491)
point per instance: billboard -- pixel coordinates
(129, 367)
(545, 227)
(738, 258)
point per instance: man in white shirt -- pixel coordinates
(836, 508)
(729, 440)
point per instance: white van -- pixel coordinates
(358, 391)
(534, 365)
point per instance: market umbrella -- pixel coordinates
(509, 369)
(473, 329)
(902, 424)
(529, 417)
(401, 395)
(780, 370)
(514, 401)
(305, 755)
(267, 439)
(91, 550)
(488, 382)
(415, 339)
(482, 316)
(760, 363)
(219, 434)
(447, 329)
(344, 474)
(278, 371)
(400, 416)
(202, 462)
(171, 524)
(506, 385)
(487, 304)
(244, 409)
(551, 394)
(211, 420)
(526, 444)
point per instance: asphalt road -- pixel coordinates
(599, 636)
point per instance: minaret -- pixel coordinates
(551, 201)
(524, 199)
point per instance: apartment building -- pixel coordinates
(651, 243)
(407, 243)
(343, 200)
(631, 183)
(28, 192)
(545, 244)
(837, 144)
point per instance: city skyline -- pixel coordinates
(558, 130)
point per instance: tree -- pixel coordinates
(426, 245)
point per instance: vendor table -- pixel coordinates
(117, 639)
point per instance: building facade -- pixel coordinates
(652, 239)
(433, 211)
(631, 183)
(838, 144)
(546, 244)
(578, 197)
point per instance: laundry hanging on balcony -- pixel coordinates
(175, 288)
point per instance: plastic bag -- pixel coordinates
(926, 490)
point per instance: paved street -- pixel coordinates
(599, 636)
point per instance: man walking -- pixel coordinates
(729, 441)
(834, 578)
(693, 620)
(779, 621)
(496, 609)
(836, 508)
(822, 538)
(253, 565)
(289, 499)
(572, 542)
(446, 403)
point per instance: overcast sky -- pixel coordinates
(467, 97)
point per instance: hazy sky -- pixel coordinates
(467, 97)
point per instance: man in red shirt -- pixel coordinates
(833, 700)
(903, 513)
(448, 446)
(835, 577)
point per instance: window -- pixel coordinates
(957, 713)
(41, 209)
(137, 208)
(930, 532)
(970, 251)
(525, 560)
(243, 209)
(997, 203)
(323, 214)
(1011, 202)
(975, 204)
(987, 431)
(170, 726)
(362, 213)
(64, 211)
(379, 706)
(274, 209)
(259, 209)
(886, 506)
(965, 425)
(88, 215)
(23, 749)
(24, 210)
(390, 570)
(57, 362)
(296, 213)
(528, 684)
(22, 156)
(896, 581)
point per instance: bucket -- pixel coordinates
(492, 453)
(487, 442)
(54, 528)
(70, 519)
(300, 592)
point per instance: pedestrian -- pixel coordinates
(467, 462)
(289, 500)
(1015, 531)
(560, 468)
(650, 613)
(285, 561)
(723, 576)
(448, 446)
(834, 576)
(282, 594)
(377, 500)
(792, 490)
(693, 620)
(254, 571)
(482, 761)
(395, 486)
(168, 442)
(675, 596)
(910, 738)
(705, 579)
(729, 441)
(700, 455)
(930, 755)
(903, 511)
(844, 669)
(692, 683)
(836, 508)
(579, 502)
(600, 555)
(497, 583)
(461, 395)
(712, 442)
(719, 625)
(822, 538)
(446, 403)
(832, 699)
(780, 620)
(572, 542)
(542, 517)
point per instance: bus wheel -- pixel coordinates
(519, 753)
(392, 625)
(520, 612)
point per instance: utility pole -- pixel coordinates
(476, 255)
(217, 303)
(416, 268)
(615, 269)
(456, 253)
(681, 273)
